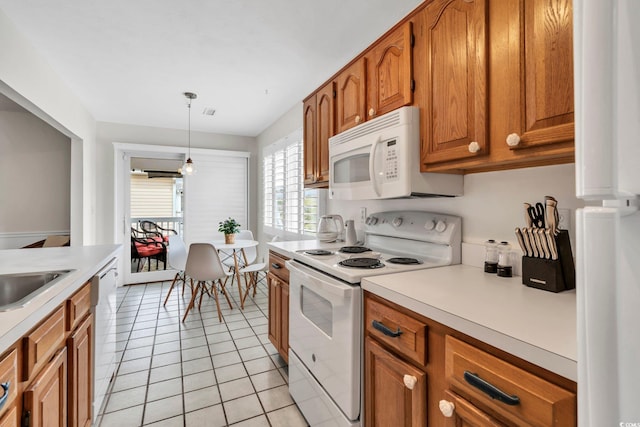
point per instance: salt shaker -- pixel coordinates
(504, 268)
(491, 256)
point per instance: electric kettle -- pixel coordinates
(330, 228)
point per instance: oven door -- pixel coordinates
(325, 333)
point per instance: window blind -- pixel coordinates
(216, 192)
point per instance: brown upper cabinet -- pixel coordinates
(319, 126)
(390, 72)
(530, 112)
(493, 80)
(455, 111)
(351, 95)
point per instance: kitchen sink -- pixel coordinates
(17, 290)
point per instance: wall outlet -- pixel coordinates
(363, 214)
(564, 219)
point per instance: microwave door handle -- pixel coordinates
(372, 166)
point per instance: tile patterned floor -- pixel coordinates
(198, 373)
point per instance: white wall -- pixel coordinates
(26, 78)
(492, 205)
(108, 133)
(35, 174)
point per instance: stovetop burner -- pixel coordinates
(354, 249)
(361, 263)
(404, 261)
(318, 252)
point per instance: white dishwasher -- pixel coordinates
(103, 307)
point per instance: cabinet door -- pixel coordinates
(390, 397)
(10, 419)
(274, 309)
(80, 378)
(466, 415)
(390, 75)
(325, 128)
(351, 96)
(309, 139)
(547, 114)
(45, 399)
(456, 78)
(284, 321)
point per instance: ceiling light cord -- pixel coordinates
(189, 168)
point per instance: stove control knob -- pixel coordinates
(441, 226)
(372, 220)
(397, 222)
(430, 225)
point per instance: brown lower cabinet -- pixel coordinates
(45, 399)
(278, 283)
(49, 369)
(419, 372)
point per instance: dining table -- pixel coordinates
(236, 251)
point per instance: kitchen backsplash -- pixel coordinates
(492, 205)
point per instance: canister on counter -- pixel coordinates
(491, 256)
(504, 268)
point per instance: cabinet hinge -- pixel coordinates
(413, 40)
(26, 419)
(413, 85)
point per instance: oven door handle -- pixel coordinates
(334, 293)
(329, 289)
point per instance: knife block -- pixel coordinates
(551, 275)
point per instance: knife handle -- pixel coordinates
(527, 218)
(534, 245)
(521, 241)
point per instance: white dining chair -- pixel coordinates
(228, 258)
(252, 269)
(177, 259)
(204, 267)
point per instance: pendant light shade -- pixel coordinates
(189, 168)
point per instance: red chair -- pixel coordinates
(145, 249)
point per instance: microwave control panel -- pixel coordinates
(390, 160)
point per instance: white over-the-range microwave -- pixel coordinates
(380, 159)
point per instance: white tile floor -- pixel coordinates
(198, 373)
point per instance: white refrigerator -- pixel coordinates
(607, 101)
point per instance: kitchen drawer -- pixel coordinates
(506, 390)
(42, 342)
(78, 306)
(404, 333)
(9, 378)
(277, 266)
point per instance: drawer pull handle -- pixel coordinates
(5, 387)
(388, 332)
(276, 266)
(409, 381)
(490, 390)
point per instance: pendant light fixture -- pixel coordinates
(189, 168)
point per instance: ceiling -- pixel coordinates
(251, 60)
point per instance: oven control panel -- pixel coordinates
(416, 225)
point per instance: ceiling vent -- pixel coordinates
(208, 111)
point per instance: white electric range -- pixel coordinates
(325, 306)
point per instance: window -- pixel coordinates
(288, 206)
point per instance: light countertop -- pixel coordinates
(85, 261)
(535, 325)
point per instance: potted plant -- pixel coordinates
(229, 227)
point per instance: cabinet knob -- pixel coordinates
(410, 381)
(372, 112)
(446, 408)
(357, 119)
(474, 147)
(513, 139)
